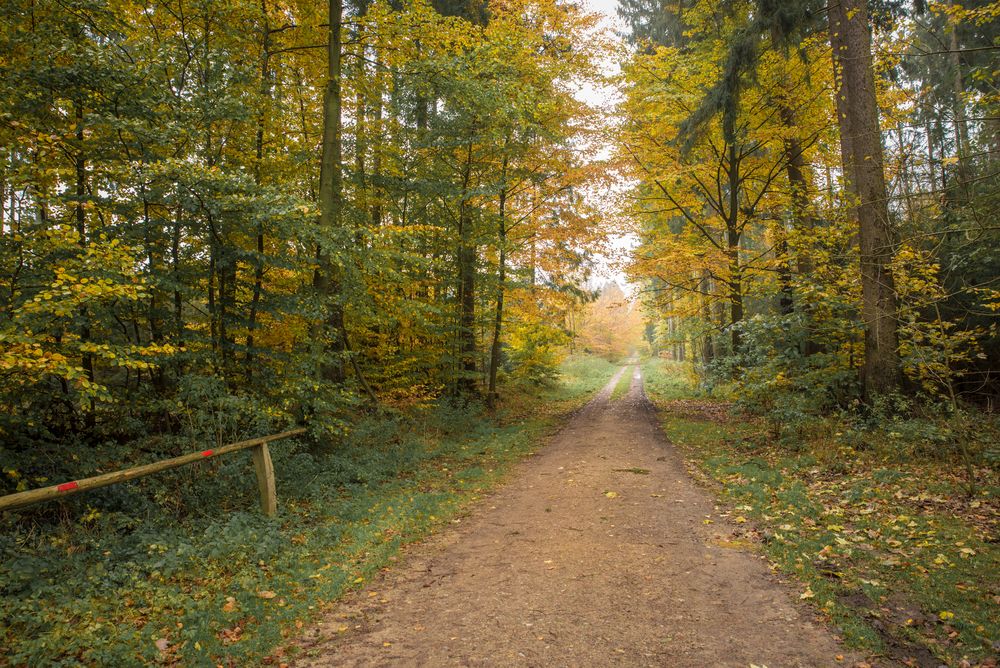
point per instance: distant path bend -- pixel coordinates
(595, 554)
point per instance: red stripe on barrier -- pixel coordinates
(66, 486)
(206, 453)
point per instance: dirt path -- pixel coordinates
(596, 553)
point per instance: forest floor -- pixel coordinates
(602, 550)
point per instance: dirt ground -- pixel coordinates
(600, 551)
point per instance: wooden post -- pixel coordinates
(265, 479)
(261, 458)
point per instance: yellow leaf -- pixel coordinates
(266, 594)
(611, 495)
(808, 593)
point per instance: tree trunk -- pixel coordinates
(175, 271)
(841, 55)
(491, 394)
(87, 359)
(258, 179)
(958, 91)
(803, 221)
(708, 349)
(881, 372)
(466, 384)
(327, 280)
(733, 239)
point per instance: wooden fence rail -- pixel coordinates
(261, 460)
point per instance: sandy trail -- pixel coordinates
(596, 553)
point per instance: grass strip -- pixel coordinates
(623, 384)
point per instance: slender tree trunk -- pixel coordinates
(377, 139)
(153, 318)
(708, 349)
(467, 285)
(175, 271)
(881, 373)
(803, 220)
(491, 394)
(904, 173)
(258, 274)
(932, 170)
(733, 240)
(958, 92)
(227, 309)
(212, 311)
(786, 298)
(87, 359)
(327, 280)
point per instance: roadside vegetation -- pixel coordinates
(182, 568)
(884, 531)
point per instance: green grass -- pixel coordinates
(665, 379)
(581, 375)
(874, 542)
(624, 383)
(218, 582)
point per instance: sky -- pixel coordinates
(602, 97)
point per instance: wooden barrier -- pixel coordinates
(261, 460)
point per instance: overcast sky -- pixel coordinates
(601, 97)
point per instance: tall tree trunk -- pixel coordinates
(803, 220)
(491, 394)
(175, 272)
(733, 240)
(849, 24)
(466, 384)
(905, 173)
(258, 178)
(841, 55)
(376, 171)
(327, 280)
(932, 171)
(213, 263)
(786, 297)
(708, 349)
(227, 308)
(958, 92)
(87, 359)
(153, 317)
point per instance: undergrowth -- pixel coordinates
(181, 568)
(878, 527)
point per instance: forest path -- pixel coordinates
(596, 553)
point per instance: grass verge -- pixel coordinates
(624, 383)
(890, 549)
(218, 584)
